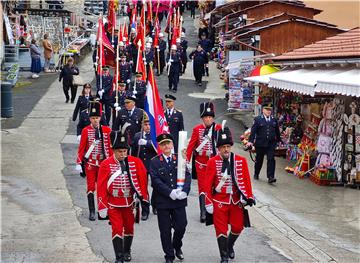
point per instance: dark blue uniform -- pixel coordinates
(265, 135)
(162, 48)
(171, 213)
(149, 57)
(121, 101)
(175, 122)
(184, 46)
(175, 69)
(140, 93)
(82, 105)
(207, 46)
(199, 60)
(125, 73)
(134, 118)
(107, 85)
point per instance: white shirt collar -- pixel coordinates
(166, 157)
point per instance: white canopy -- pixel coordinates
(264, 78)
(345, 83)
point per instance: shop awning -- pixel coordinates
(345, 83)
(264, 79)
(301, 81)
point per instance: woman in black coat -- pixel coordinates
(81, 108)
(66, 75)
(199, 58)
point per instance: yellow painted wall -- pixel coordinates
(343, 13)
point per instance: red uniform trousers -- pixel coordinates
(122, 221)
(224, 215)
(201, 174)
(91, 172)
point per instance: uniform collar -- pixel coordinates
(166, 157)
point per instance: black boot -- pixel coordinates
(118, 244)
(231, 241)
(127, 248)
(207, 71)
(223, 248)
(202, 208)
(91, 204)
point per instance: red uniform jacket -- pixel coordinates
(119, 191)
(230, 190)
(87, 138)
(197, 137)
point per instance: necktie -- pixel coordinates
(169, 112)
(168, 160)
(225, 165)
(97, 134)
(147, 136)
(129, 112)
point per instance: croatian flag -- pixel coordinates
(155, 110)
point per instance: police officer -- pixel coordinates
(171, 198)
(138, 89)
(206, 45)
(125, 71)
(130, 114)
(265, 134)
(174, 119)
(105, 91)
(174, 64)
(143, 148)
(199, 60)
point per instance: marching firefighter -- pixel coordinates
(202, 146)
(93, 149)
(199, 60)
(122, 180)
(139, 90)
(161, 53)
(149, 57)
(143, 148)
(228, 190)
(174, 65)
(171, 198)
(105, 91)
(174, 119)
(118, 99)
(129, 114)
(184, 46)
(125, 71)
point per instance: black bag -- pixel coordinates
(209, 219)
(193, 168)
(246, 217)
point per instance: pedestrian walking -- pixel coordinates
(161, 54)
(206, 46)
(265, 134)
(184, 46)
(122, 182)
(199, 60)
(48, 52)
(174, 119)
(174, 68)
(66, 75)
(143, 148)
(201, 147)
(138, 89)
(228, 189)
(94, 148)
(192, 5)
(171, 200)
(35, 54)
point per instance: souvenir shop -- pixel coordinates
(320, 127)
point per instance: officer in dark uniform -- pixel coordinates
(174, 119)
(119, 103)
(123, 51)
(265, 134)
(130, 114)
(143, 148)
(199, 58)
(105, 91)
(149, 57)
(184, 45)
(162, 49)
(125, 71)
(171, 198)
(206, 45)
(82, 105)
(174, 62)
(138, 89)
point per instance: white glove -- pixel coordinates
(134, 92)
(78, 168)
(101, 92)
(209, 209)
(142, 142)
(103, 213)
(78, 138)
(181, 195)
(128, 81)
(169, 63)
(189, 166)
(171, 60)
(118, 108)
(144, 59)
(173, 195)
(116, 104)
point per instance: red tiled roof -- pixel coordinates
(343, 45)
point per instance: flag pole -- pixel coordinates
(117, 71)
(100, 57)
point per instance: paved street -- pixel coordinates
(44, 206)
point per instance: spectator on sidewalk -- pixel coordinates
(35, 54)
(48, 52)
(199, 58)
(66, 75)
